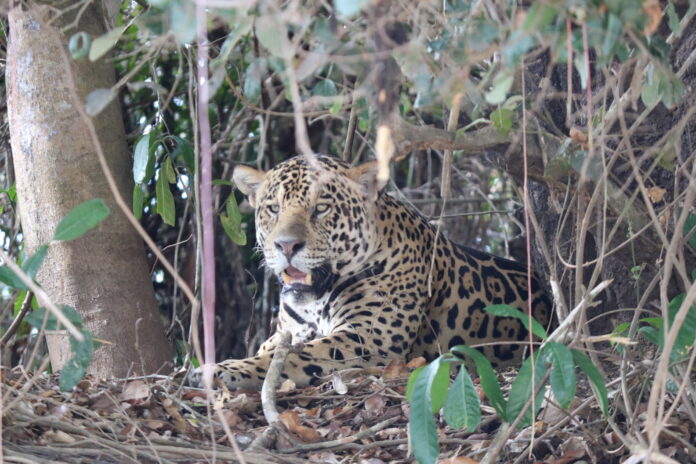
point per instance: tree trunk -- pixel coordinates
(104, 275)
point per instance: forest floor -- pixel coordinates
(355, 417)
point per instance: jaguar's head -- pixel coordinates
(316, 218)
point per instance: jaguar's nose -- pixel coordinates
(289, 247)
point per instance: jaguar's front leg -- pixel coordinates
(317, 358)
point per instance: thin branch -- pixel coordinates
(26, 306)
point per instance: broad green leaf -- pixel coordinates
(489, 381)
(141, 157)
(232, 210)
(689, 224)
(272, 34)
(165, 200)
(36, 317)
(71, 373)
(563, 381)
(104, 43)
(686, 337)
(581, 67)
(78, 46)
(503, 310)
(462, 406)
(347, 8)
(10, 279)
(502, 83)
(325, 88)
(82, 218)
(169, 172)
(650, 92)
(672, 90)
(74, 370)
(32, 265)
(412, 381)
(184, 150)
(612, 34)
(182, 15)
(502, 120)
(521, 392)
(233, 231)
(538, 16)
(516, 46)
(673, 19)
(19, 302)
(422, 429)
(596, 380)
(138, 201)
(97, 100)
(438, 389)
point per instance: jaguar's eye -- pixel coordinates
(321, 208)
(273, 209)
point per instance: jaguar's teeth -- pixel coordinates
(286, 278)
(308, 279)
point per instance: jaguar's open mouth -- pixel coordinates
(293, 277)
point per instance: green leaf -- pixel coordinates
(10, 279)
(232, 221)
(462, 406)
(689, 224)
(272, 34)
(538, 16)
(104, 43)
(32, 265)
(325, 88)
(503, 310)
(673, 19)
(232, 210)
(141, 157)
(489, 381)
(563, 381)
(422, 429)
(74, 370)
(182, 16)
(169, 172)
(613, 32)
(79, 45)
(517, 45)
(19, 302)
(138, 201)
(686, 337)
(97, 100)
(521, 392)
(650, 92)
(82, 218)
(233, 231)
(165, 200)
(502, 83)
(184, 151)
(438, 389)
(412, 381)
(596, 380)
(502, 120)
(36, 317)
(347, 8)
(581, 67)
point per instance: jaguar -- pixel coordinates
(366, 279)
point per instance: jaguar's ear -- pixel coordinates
(366, 176)
(248, 180)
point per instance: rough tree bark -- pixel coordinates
(104, 274)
